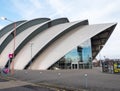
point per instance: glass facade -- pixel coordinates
(78, 58)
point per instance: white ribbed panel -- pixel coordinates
(18, 40)
(39, 42)
(66, 43)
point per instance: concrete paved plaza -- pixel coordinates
(73, 80)
(16, 85)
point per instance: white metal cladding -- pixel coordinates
(27, 32)
(39, 42)
(66, 43)
(19, 39)
(9, 48)
(54, 51)
(8, 33)
(39, 30)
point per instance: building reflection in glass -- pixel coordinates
(78, 58)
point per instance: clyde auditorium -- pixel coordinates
(42, 43)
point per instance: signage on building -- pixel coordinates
(10, 55)
(116, 67)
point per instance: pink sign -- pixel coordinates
(10, 55)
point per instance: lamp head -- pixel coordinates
(3, 18)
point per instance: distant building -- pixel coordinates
(96, 63)
(42, 44)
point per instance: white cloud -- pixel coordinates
(60, 7)
(27, 9)
(96, 11)
(36, 4)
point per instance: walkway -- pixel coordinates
(70, 80)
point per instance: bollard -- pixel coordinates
(86, 82)
(5, 72)
(59, 74)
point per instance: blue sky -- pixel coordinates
(96, 11)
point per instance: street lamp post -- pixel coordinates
(14, 35)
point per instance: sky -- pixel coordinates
(96, 11)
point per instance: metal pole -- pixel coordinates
(86, 82)
(12, 63)
(9, 65)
